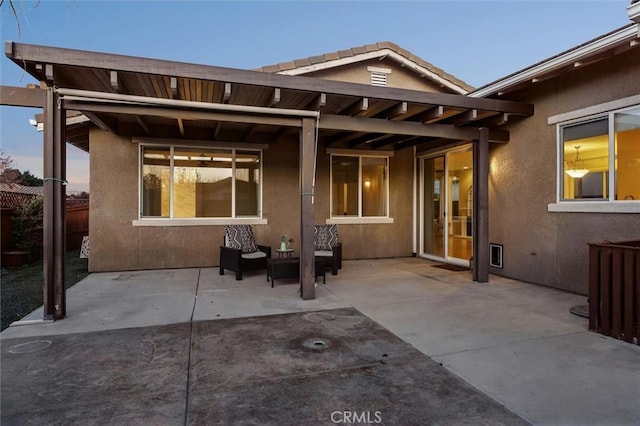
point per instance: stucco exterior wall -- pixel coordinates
(545, 247)
(399, 77)
(116, 244)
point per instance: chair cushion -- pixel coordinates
(323, 253)
(241, 237)
(255, 255)
(326, 236)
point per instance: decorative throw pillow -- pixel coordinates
(326, 236)
(241, 237)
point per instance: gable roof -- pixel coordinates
(366, 52)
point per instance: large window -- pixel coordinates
(359, 186)
(601, 157)
(181, 182)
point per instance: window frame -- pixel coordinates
(195, 221)
(360, 218)
(610, 204)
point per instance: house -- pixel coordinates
(405, 158)
(587, 102)
(15, 194)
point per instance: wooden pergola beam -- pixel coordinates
(317, 103)
(357, 108)
(275, 97)
(366, 140)
(175, 113)
(23, 97)
(143, 125)
(377, 125)
(388, 140)
(174, 87)
(396, 111)
(113, 76)
(25, 54)
(105, 124)
(496, 120)
(226, 95)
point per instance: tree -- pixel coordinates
(27, 179)
(28, 227)
(12, 5)
(6, 162)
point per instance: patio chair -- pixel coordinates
(327, 247)
(240, 252)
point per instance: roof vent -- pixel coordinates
(378, 79)
(379, 76)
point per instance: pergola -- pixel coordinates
(149, 98)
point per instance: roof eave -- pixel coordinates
(626, 34)
(382, 53)
(633, 11)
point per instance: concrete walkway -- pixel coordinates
(515, 342)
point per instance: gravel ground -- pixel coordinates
(21, 288)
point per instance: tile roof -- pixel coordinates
(21, 189)
(333, 56)
(13, 195)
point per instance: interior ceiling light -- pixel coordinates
(577, 168)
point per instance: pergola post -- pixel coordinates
(307, 250)
(481, 206)
(54, 236)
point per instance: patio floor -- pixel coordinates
(505, 344)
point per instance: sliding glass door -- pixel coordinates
(447, 206)
(432, 206)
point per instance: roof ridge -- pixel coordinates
(359, 50)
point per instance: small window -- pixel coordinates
(359, 186)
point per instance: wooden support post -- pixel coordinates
(307, 250)
(54, 208)
(481, 206)
(48, 250)
(59, 210)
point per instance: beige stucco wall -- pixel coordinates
(116, 244)
(539, 246)
(399, 77)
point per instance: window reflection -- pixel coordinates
(202, 182)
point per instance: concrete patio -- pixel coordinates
(514, 342)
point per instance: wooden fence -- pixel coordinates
(77, 226)
(77, 220)
(614, 290)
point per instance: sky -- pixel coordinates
(478, 41)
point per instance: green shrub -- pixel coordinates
(28, 226)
